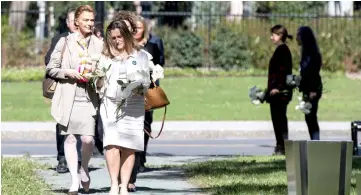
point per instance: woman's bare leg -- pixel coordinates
(126, 168)
(112, 157)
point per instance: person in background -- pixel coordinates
(75, 102)
(311, 82)
(99, 131)
(62, 165)
(98, 32)
(142, 37)
(155, 39)
(280, 66)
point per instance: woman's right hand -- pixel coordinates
(72, 73)
(274, 91)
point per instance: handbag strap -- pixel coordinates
(62, 51)
(161, 129)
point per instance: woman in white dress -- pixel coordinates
(123, 130)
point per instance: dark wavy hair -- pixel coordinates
(128, 16)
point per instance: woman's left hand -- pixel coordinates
(274, 91)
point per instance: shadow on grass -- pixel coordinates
(236, 167)
(223, 175)
(268, 173)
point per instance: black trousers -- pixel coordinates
(99, 132)
(59, 143)
(311, 119)
(279, 121)
(140, 157)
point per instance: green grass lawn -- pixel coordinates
(247, 176)
(18, 176)
(203, 98)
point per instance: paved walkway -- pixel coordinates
(251, 126)
(160, 180)
(185, 129)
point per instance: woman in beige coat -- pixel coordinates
(75, 103)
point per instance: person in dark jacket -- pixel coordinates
(142, 37)
(279, 94)
(62, 166)
(311, 82)
(157, 40)
(138, 26)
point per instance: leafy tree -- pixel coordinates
(173, 6)
(291, 7)
(213, 8)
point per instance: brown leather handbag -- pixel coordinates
(155, 98)
(49, 83)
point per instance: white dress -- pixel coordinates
(127, 132)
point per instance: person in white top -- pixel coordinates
(123, 119)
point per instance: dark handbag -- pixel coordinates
(155, 98)
(49, 83)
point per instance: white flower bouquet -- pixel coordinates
(134, 85)
(97, 77)
(257, 95)
(293, 80)
(304, 105)
(157, 71)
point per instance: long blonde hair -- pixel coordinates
(145, 34)
(130, 43)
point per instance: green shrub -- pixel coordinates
(23, 74)
(230, 49)
(18, 49)
(186, 49)
(37, 73)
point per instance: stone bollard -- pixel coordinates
(318, 167)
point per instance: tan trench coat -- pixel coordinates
(62, 102)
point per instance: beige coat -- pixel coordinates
(62, 102)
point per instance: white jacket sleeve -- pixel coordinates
(145, 67)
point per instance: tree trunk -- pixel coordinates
(16, 18)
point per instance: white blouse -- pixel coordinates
(119, 70)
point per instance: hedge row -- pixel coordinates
(37, 73)
(245, 45)
(235, 46)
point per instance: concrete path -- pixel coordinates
(160, 180)
(185, 129)
(168, 148)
